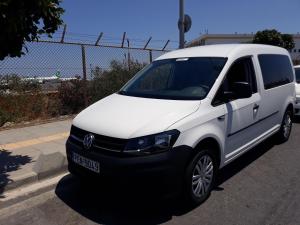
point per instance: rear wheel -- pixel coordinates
(286, 127)
(200, 177)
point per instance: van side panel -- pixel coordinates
(274, 101)
(213, 122)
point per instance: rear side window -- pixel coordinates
(297, 70)
(276, 70)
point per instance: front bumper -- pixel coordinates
(162, 173)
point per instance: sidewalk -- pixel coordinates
(32, 153)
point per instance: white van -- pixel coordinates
(186, 115)
(297, 106)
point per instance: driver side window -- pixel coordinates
(158, 78)
(241, 70)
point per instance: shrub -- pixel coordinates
(71, 96)
(4, 117)
(14, 83)
(109, 81)
(22, 100)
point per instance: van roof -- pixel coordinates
(223, 50)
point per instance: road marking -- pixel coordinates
(35, 141)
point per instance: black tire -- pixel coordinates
(286, 127)
(189, 189)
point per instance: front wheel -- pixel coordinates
(286, 127)
(200, 177)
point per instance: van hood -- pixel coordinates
(128, 117)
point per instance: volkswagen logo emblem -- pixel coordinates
(88, 141)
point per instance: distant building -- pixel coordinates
(208, 39)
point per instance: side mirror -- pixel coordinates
(239, 90)
(242, 90)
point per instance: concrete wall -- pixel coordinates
(211, 41)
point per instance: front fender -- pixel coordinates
(212, 129)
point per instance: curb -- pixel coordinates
(48, 165)
(38, 122)
(20, 181)
(17, 195)
(31, 178)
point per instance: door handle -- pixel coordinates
(221, 118)
(255, 107)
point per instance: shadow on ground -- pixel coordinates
(111, 207)
(9, 163)
(236, 166)
(296, 119)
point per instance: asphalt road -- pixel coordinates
(261, 187)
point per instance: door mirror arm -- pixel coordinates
(240, 90)
(228, 96)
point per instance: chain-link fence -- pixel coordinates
(55, 78)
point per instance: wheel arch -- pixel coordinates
(212, 144)
(290, 106)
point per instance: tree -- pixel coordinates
(273, 37)
(22, 21)
(288, 41)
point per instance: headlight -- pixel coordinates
(152, 144)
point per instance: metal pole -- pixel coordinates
(128, 58)
(100, 36)
(150, 56)
(123, 39)
(84, 75)
(63, 34)
(181, 23)
(165, 45)
(147, 43)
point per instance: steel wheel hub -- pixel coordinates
(202, 176)
(287, 125)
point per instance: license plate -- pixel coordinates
(86, 163)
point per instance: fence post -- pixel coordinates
(128, 57)
(84, 75)
(150, 56)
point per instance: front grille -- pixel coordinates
(101, 143)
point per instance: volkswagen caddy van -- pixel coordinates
(297, 106)
(185, 116)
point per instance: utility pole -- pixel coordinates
(181, 23)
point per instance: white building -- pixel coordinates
(208, 39)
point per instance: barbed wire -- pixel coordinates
(111, 40)
(108, 36)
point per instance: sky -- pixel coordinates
(158, 18)
(141, 19)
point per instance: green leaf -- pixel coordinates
(22, 23)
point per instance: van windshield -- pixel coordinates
(178, 79)
(297, 75)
